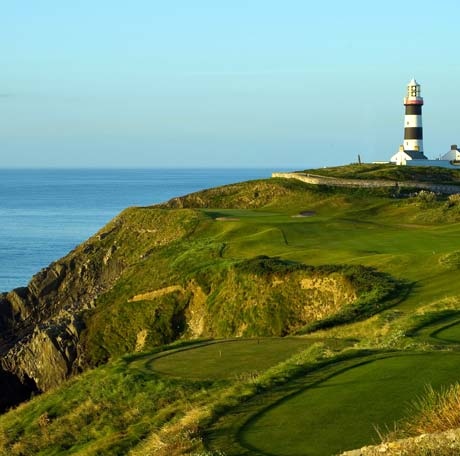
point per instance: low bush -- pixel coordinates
(451, 260)
(436, 411)
(425, 198)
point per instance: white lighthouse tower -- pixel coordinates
(412, 148)
(413, 130)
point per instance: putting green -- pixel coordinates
(342, 412)
(229, 358)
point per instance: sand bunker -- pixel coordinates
(305, 214)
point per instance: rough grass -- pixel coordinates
(451, 260)
(256, 297)
(434, 411)
(105, 411)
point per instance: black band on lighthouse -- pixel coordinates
(413, 110)
(413, 133)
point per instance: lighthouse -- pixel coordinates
(412, 148)
(413, 130)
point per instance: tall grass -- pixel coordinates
(435, 411)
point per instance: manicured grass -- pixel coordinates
(408, 252)
(342, 412)
(231, 358)
(450, 333)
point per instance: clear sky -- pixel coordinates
(265, 83)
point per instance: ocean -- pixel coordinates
(46, 213)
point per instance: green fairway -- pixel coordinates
(231, 358)
(343, 411)
(409, 252)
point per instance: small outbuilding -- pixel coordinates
(453, 155)
(403, 156)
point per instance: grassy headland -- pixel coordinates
(345, 267)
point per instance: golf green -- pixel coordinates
(229, 358)
(344, 411)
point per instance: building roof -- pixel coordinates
(413, 82)
(415, 154)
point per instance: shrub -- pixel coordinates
(451, 260)
(453, 202)
(425, 198)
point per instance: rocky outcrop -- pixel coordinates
(40, 325)
(47, 355)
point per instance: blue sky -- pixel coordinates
(232, 83)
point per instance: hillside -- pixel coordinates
(183, 328)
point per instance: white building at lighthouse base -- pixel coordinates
(403, 156)
(413, 158)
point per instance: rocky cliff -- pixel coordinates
(41, 324)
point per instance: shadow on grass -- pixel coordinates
(429, 326)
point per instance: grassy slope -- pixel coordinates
(403, 238)
(391, 172)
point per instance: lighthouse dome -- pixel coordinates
(413, 82)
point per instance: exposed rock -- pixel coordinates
(47, 356)
(424, 444)
(156, 293)
(41, 324)
(196, 310)
(141, 339)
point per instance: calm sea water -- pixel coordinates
(46, 213)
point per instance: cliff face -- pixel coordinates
(41, 324)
